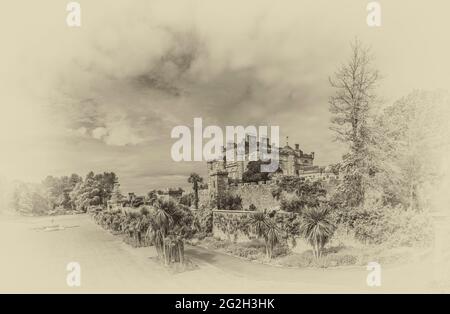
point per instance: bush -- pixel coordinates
(253, 172)
(290, 202)
(394, 226)
(253, 250)
(230, 202)
(309, 194)
(329, 259)
(187, 199)
(203, 221)
(251, 253)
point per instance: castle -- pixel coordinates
(292, 162)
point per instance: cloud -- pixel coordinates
(120, 134)
(99, 133)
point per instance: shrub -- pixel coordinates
(290, 202)
(393, 226)
(187, 199)
(307, 259)
(203, 221)
(145, 210)
(230, 202)
(253, 172)
(232, 224)
(309, 194)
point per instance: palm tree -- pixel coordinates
(167, 230)
(195, 179)
(317, 228)
(162, 223)
(265, 228)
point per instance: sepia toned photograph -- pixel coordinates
(252, 147)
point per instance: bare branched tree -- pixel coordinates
(354, 83)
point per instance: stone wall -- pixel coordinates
(228, 225)
(203, 198)
(258, 194)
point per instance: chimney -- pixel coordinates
(297, 147)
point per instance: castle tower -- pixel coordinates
(217, 180)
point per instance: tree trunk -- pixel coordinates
(196, 194)
(181, 251)
(164, 250)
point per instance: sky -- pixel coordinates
(105, 96)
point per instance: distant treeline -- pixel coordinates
(64, 193)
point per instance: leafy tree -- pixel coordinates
(354, 84)
(317, 228)
(195, 179)
(253, 172)
(30, 199)
(106, 180)
(203, 221)
(187, 199)
(414, 132)
(229, 202)
(87, 193)
(116, 197)
(297, 193)
(96, 189)
(58, 190)
(152, 197)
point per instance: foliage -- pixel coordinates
(229, 202)
(137, 202)
(392, 226)
(317, 228)
(132, 225)
(30, 199)
(196, 180)
(265, 227)
(253, 172)
(354, 84)
(87, 193)
(330, 258)
(116, 195)
(254, 249)
(187, 199)
(58, 190)
(152, 197)
(170, 224)
(96, 189)
(232, 224)
(203, 221)
(296, 193)
(414, 129)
